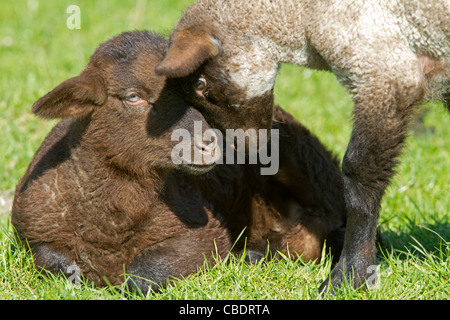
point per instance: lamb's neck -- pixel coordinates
(274, 25)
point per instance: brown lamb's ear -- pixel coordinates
(187, 51)
(75, 97)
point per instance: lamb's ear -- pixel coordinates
(187, 51)
(75, 97)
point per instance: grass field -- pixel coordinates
(38, 51)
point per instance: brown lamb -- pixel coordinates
(103, 192)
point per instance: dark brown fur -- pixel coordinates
(102, 191)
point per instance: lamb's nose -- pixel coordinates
(209, 150)
(206, 148)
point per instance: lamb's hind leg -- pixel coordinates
(382, 111)
(175, 257)
(52, 259)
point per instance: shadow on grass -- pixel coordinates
(431, 238)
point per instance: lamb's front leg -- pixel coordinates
(382, 111)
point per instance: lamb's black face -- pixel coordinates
(231, 93)
(223, 104)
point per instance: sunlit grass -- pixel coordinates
(38, 51)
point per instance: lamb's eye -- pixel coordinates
(200, 86)
(134, 99)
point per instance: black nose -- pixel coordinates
(208, 150)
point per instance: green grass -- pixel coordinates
(38, 51)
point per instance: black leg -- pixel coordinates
(50, 258)
(176, 257)
(380, 128)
